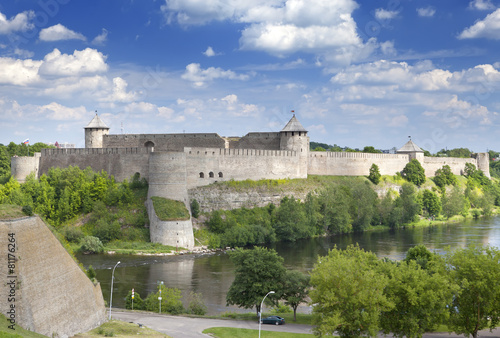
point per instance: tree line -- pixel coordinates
(355, 294)
(352, 205)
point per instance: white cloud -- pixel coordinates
(19, 72)
(209, 52)
(229, 105)
(276, 26)
(488, 28)
(101, 39)
(89, 87)
(387, 48)
(59, 32)
(20, 23)
(200, 77)
(482, 5)
(56, 111)
(426, 11)
(383, 14)
(23, 53)
(398, 121)
(119, 92)
(87, 61)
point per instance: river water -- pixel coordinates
(212, 275)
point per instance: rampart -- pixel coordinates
(457, 165)
(122, 163)
(354, 164)
(22, 166)
(164, 142)
(207, 165)
(52, 295)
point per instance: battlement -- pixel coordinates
(93, 151)
(357, 155)
(237, 152)
(162, 136)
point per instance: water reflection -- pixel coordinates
(212, 275)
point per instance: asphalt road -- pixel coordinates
(184, 327)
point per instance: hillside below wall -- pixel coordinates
(53, 296)
(122, 163)
(354, 164)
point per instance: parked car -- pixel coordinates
(276, 320)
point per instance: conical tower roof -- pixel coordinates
(294, 125)
(410, 147)
(96, 123)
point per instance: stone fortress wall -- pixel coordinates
(174, 163)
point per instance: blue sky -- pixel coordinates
(356, 73)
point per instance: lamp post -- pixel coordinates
(159, 298)
(111, 297)
(260, 312)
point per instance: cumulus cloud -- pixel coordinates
(101, 39)
(488, 28)
(56, 111)
(482, 5)
(87, 61)
(19, 23)
(228, 105)
(426, 11)
(383, 14)
(119, 92)
(19, 72)
(59, 32)
(209, 52)
(275, 26)
(199, 77)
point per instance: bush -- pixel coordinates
(107, 231)
(374, 174)
(91, 244)
(196, 305)
(91, 273)
(195, 208)
(27, 210)
(138, 301)
(73, 234)
(170, 303)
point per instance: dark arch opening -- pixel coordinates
(150, 145)
(211, 174)
(220, 174)
(202, 175)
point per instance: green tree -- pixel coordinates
(196, 305)
(370, 149)
(454, 202)
(257, 271)
(431, 202)
(374, 175)
(4, 161)
(476, 270)
(421, 300)
(348, 293)
(138, 301)
(290, 221)
(444, 177)
(170, 301)
(195, 208)
(414, 172)
(363, 205)
(420, 254)
(295, 289)
(91, 244)
(335, 202)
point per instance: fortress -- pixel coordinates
(174, 163)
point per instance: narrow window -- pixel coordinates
(202, 175)
(211, 174)
(220, 174)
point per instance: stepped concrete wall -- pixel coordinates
(354, 164)
(52, 295)
(122, 163)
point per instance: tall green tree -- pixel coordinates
(454, 202)
(257, 271)
(348, 293)
(420, 298)
(335, 203)
(295, 289)
(414, 172)
(476, 270)
(431, 202)
(444, 176)
(290, 221)
(374, 175)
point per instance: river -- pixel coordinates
(212, 274)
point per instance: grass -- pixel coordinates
(18, 331)
(170, 210)
(229, 332)
(9, 211)
(117, 328)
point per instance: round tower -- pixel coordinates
(294, 137)
(94, 133)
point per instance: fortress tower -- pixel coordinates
(94, 133)
(414, 151)
(294, 137)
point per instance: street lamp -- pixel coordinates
(260, 312)
(159, 298)
(111, 297)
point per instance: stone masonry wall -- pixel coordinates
(53, 296)
(265, 141)
(164, 142)
(122, 163)
(457, 165)
(354, 164)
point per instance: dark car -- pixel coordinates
(277, 320)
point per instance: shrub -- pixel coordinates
(91, 273)
(138, 301)
(169, 210)
(27, 210)
(91, 244)
(107, 231)
(73, 234)
(196, 305)
(374, 174)
(171, 301)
